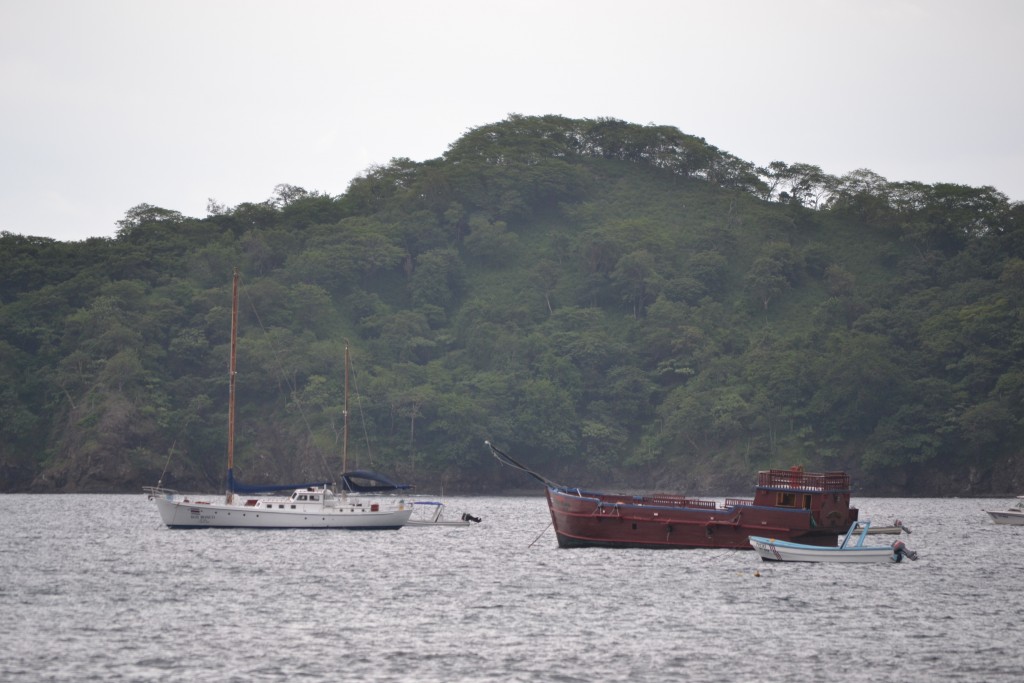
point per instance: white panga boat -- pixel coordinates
(310, 506)
(896, 528)
(850, 549)
(1013, 515)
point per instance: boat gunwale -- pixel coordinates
(804, 546)
(288, 517)
(850, 542)
(749, 505)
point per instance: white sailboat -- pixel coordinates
(309, 506)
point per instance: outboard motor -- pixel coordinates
(900, 550)
(466, 517)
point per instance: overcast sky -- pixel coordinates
(107, 104)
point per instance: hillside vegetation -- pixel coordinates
(616, 305)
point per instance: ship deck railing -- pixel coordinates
(804, 481)
(663, 500)
(653, 500)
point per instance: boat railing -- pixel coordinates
(854, 538)
(806, 481)
(159, 492)
(734, 502)
(677, 501)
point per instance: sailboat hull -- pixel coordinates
(184, 513)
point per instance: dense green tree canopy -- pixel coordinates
(617, 304)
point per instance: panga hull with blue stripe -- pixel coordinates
(850, 550)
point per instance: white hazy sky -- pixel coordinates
(106, 104)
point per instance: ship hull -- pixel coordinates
(586, 519)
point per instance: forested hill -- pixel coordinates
(615, 305)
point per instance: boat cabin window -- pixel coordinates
(789, 500)
(314, 497)
(302, 497)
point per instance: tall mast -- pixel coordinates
(231, 390)
(344, 442)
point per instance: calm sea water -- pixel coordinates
(94, 587)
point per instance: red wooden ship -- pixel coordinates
(790, 505)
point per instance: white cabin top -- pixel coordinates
(312, 494)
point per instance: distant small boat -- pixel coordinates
(431, 513)
(424, 512)
(1014, 515)
(850, 550)
(897, 527)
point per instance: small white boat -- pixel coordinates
(896, 528)
(431, 513)
(424, 512)
(1013, 515)
(851, 549)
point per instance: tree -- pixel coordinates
(637, 281)
(544, 418)
(805, 184)
(861, 375)
(490, 241)
(145, 214)
(950, 215)
(285, 194)
(773, 272)
(546, 276)
(437, 279)
(765, 280)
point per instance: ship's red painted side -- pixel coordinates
(790, 505)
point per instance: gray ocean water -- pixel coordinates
(95, 588)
